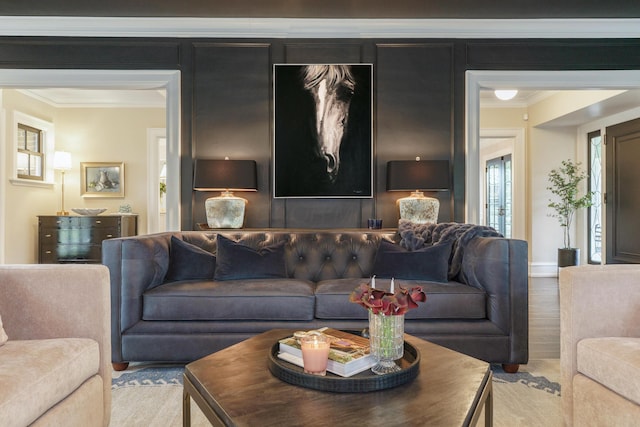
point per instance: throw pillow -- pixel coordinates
(3, 334)
(237, 261)
(429, 263)
(189, 262)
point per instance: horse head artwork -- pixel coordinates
(332, 88)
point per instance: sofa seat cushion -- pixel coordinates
(613, 362)
(251, 299)
(37, 374)
(450, 300)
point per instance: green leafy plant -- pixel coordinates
(564, 182)
(163, 189)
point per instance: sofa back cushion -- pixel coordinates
(429, 263)
(189, 262)
(236, 261)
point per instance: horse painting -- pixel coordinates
(323, 130)
(332, 88)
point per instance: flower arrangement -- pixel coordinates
(387, 303)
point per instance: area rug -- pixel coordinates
(151, 396)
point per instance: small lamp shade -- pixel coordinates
(412, 175)
(62, 160)
(224, 175)
(418, 176)
(227, 210)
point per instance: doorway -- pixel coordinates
(498, 194)
(109, 79)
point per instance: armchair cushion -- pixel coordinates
(613, 362)
(236, 261)
(37, 374)
(3, 334)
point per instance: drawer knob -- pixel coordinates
(98, 221)
(47, 252)
(109, 235)
(47, 235)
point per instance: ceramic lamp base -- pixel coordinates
(420, 209)
(225, 211)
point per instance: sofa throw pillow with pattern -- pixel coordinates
(189, 262)
(3, 334)
(237, 261)
(430, 263)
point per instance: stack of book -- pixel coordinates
(348, 356)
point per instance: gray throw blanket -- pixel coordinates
(414, 236)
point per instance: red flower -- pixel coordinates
(379, 301)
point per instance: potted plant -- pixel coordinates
(564, 182)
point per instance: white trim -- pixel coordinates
(3, 185)
(119, 79)
(543, 269)
(82, 26)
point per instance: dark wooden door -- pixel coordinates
(623, 193)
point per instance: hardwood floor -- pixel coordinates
(544, 318)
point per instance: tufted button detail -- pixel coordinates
(301, 257)
(354, 257)
(328, 257)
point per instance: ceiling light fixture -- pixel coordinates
(506, 94)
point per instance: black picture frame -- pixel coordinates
(299, 170)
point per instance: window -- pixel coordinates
(30, 157)
(33, 142)
(595, 211)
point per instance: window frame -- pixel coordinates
(48, 147)
(31, 154)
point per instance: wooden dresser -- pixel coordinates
(78, 239)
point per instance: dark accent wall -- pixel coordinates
(227, 103)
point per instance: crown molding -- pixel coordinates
(52, 26)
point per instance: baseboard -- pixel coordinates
(543, 269)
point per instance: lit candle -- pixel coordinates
(392, 286)
(373, 282)
(315, 353)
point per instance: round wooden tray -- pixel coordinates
(363, 382)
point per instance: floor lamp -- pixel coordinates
(418, 176)
(62, 162)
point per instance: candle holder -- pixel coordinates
(315, 353)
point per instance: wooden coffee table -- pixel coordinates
(234, 387)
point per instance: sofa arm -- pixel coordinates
(595, 301)
(500, 267)
(59, 301)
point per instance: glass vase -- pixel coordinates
(386, 339)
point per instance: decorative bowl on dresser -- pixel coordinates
(78, 239)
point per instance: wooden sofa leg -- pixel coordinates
(120, 366)
(510, 368)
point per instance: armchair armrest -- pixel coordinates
(59, 301)
(595, 301)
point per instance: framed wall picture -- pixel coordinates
(323, 133)
(102, 179)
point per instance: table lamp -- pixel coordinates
(418, 176)
(227, 176)
(62, 162)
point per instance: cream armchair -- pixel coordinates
(600, 345)
(55, 369)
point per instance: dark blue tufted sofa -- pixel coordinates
(486, 317)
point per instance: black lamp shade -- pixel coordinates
(422, 175)
(221, 175)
